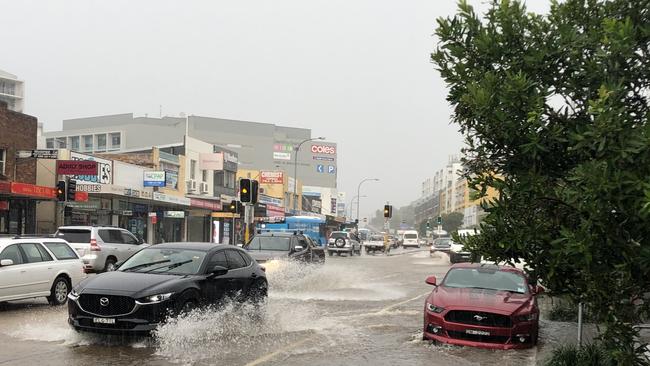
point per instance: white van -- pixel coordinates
(411, 239)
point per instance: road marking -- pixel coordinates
(271, 355)
(391, 307)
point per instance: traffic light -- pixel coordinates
(439, 220)
(388, 211)
(72, 189)
(234, 207)
(428, 225)
(245, 190)
(255, 186)
(60, 191)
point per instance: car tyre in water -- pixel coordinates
(110, 265)
(331, 253)
(59, 292)
(259, 292)
(452, 258)
(186, 302)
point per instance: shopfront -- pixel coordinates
(199, 228)
(168, 218)
(18, 206)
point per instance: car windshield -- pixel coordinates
(442, 242)
(337, 235)
(410, 236)
(164, 260)
(275, 243)
(485, 279)
(376, 238)
(74, 235)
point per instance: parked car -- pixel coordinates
(411, 239)
(375, 243)
(38, 267)
(101, 247)
(441, 245)
(284, 245)
(394, 241)
(458, 254)
(482, 305)
(343, 242)
(164, 279)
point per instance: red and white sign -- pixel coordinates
(76, 167)
(209, 205)
(323, 149)
(271, 177)
(28, 190)
(274, 211)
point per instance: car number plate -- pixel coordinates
(477, 332)
(103, 320)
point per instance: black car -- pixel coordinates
(284, 245)
(163, 280)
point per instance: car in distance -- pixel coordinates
(411, 239)
(343, 242)
(375, 243)
(270, 245)
(440, 245)
(482, 305)
(457, 253)
(101, 247)
(38, 267)
(163, 280)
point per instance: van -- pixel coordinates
(411, 239)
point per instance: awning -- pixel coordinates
(27, 190)
(212, 205)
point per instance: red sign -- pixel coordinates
(271, 177)
(4, 205)
(81, 196)
(323, 149)
(208, 205)
(154, 219)
(76, 167)
(274, 211)
(31, 190)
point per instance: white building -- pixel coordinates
(12, 91)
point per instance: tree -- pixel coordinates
(554, 110)
(450, 222)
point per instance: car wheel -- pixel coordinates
(187, 302)
(110, 265)
(367, 251)
(338, 253)
(259, 291)
(452, 258)
(59, 292)
(331, 253)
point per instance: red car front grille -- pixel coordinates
(479, 318)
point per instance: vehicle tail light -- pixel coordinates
(93, 246)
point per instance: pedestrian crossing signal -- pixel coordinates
(388, 211)
(60, 190)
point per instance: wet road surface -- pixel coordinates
(359, 311)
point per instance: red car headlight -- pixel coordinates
(526, 317)
(435, 309)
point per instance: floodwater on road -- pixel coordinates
(361, 310)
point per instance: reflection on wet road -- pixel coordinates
(360, 311)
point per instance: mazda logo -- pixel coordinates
(103, 301)
(479, 318)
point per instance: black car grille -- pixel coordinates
(477, 338)
(479, 318)
(117, 305)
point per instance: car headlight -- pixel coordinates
(154, 299)
(435, 309)
(73, 295)
(526, 317)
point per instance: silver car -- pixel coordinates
(343, 242)
(101, 247)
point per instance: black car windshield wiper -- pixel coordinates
(145, 265)
(169, 267)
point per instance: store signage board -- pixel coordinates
(154, 178)
(174, 214)
(76, 167)
(272, 177)
(38, 154)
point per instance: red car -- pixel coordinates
(482, 305)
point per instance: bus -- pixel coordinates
(312, 226)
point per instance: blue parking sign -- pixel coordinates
(331, 169)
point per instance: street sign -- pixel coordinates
(154, 178)
(38, 154)
(331, 169)
(320, 168)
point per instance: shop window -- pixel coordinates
(101, 142)
(3, 160)
(218, 178)
(204, 175)
(192, 169)
(49, 143)
(116, 141)
(61, 143)
(74, 143)
(88, 143)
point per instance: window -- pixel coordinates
(116, 140)
(88, 143)
(74, 235)
(204, 176)
(61, 143)
(61, 251)
(49, 143)
(74, 143)
(270, 243)
(218, 259)
(303, 243)
(12, 252)
(235, 261)
(101, 142)
(192, 169)
(128, 238)
(35, 253)
(111, 236)
(3, 160)
(218, 178)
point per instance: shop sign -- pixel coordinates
(25, 189)
(282, 147)
(272, 177)
(38, 154)
(208, 205)
(323, 158)
(323, 149)
(103, 174)
(281, 155)
(174, 214)
(211, 161)
(76, 167)
(333, 205)
(274, 211)
(269, 200)
(90, 188)
(81, 196)
(228, 215)
(4, 205)
(154, 219)
(123, 212)
(230, 158)
(153, 214)
(154, 178)
(171, 199)
(91, 205)
(171, 179)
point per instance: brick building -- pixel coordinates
(18, 193)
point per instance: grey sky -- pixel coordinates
(357, 72)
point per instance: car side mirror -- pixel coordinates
(6, 262)
(539, 290)
(298, 248)
(431, 280)
(140, 241)
(217, 271)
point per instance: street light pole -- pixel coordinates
(295, 169)
(352, 203)
(359, 195)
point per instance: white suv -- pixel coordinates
(38, 267)
(101, 247)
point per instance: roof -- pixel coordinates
(6, 75)
(205, 247)
(505, 268)
(14, 239)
